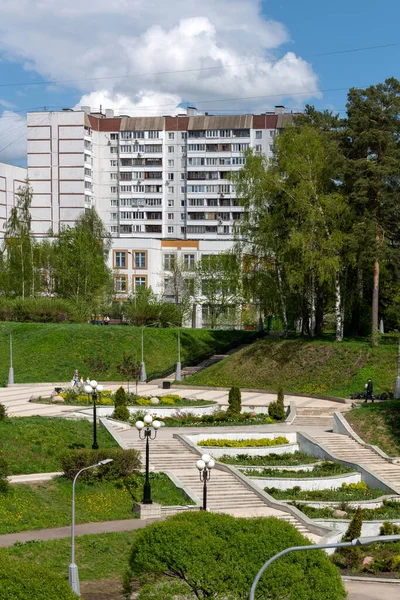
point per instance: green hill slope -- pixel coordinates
(50, 352)
(311, 367)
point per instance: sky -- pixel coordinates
(150, 57)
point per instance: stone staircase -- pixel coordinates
(317, 416)
(344, 447)
(225, 493)
(187, 371)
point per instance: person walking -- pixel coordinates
(368, 389)
(76, 377)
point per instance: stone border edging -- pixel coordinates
(369, 579)
(342, 426)
(178, 484)
(378, 481)
(268, 500)
(336, 503)
(291, 413)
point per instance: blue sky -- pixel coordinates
(275, 45)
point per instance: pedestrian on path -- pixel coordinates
(75, 378)
(368, 389)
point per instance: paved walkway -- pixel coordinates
(16, 398)
(368, 590)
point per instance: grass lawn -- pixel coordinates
(378, 424)
(389, 510)
(39, 506)
(299, 365)
(99, 556)
(50, 351)
(337, 495)
(34, 444)
(325, 470)
(286, 459)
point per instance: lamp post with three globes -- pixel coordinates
(204, 465)
(147, 431)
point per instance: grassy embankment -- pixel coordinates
(49, 352)
(378, 424)
(318, 367)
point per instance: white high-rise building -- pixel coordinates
(11, 179)
(160, 184)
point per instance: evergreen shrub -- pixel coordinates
(235, 400)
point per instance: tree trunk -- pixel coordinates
(375, 302)
(312, 308)
(282, 299)
(22, 272)
(338, 308)
(319, 315)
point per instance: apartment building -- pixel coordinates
(160, 184)
(11, 179)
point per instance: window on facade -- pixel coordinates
(113, 163)
(189, 261)
(170, 176)
(170, 216)
(271, 133)
(170, 203)
(169, 261)
(120, 284)
(183, 135)
(140, 260)
(258, 148)
(258, 135)
(113, 150)
(171, 135)
(113, 229)
(171, 149)
(120, 260)
(170, 230)
(114, 176)
(113, 136)
(153, 135)
(271, 147)
(113, 202)
(140, 282)
(170, 162)
(113, 190)
(170, 189)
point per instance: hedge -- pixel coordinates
(24, 581)
(217, 556)
(251, 443)
(124, 463)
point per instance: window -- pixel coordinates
(153, 201)
(171, 149)
(126, 135)
(183, 189)
(151, 148)
(183, 202)
(113, 202)
(113, 176)
(120, 283)
(188, 261)
(169, 261)
(139, 188)
(170, 230)
(171, 135)
(127, 148)
(239, 147)
(140, 260)
(211, 162)
(114, 216)
(241, 160)
(126, 188)
(170, 176)
(140, 282)
(153, 135)
(170, 203)
(113, 189)
(196, 147)
(128, 162)
(170, 190)
(170, 162)
(271, 147)
(183, 135)
(113, 150)
(183, 176)
(183, 162)
(212, 133)
(272, 133)
(258, 135)
(196, 161)
(113, 163)
(171, 216)
(114, 136)
(225, 133)
(120, 260)
(113, 229)
(258, 148)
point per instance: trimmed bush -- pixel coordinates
(124, 463)
(4, 472)
(121, 410)
(235, 401)
(3, 412)
(25, 581)
(222, 562)
(120, 397)
(250, 443)
(43, 310)
(276, 411)
(352, 555)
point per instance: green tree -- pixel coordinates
(373, 148)
(219, 287)
(235, 400)
(129, 368)
(81, 254)
(121, 410)
(217, 556)
(352, 555)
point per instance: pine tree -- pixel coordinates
(235, 401)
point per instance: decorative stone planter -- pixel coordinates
(216, 452)
(308, 484)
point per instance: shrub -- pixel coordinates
(121, 413)
(24, 581)
(143, 401)
(222, 562)
(250, 443)
(281, 397)
(389, 529)
(124, 463)
(3, 412)
(4, 472)
(235, 400)
(121, 410)
(352, 555)
(277, 411)
(120, 397)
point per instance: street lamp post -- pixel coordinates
(93, 389)
(363, 541)
(146, 426)
(204, 465)
(73, 575)
(396, 393)
(11, 369)
(143, 375)
(178, 373)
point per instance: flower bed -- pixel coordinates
(390, 509)
(278, 460)
(218, 418)
(249, 443)
(347, 492)
(325, 469)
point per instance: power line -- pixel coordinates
(215, 68)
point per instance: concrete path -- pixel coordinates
(368, 590)
(16, 398)
(57, 533)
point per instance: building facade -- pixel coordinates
(11, 179)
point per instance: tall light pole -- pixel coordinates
(11, 369)
(143, 375)
(396, 393)
(92, 390)
(204, 465)
(73, 575)
(178, 373)
(146, 427)
(363, 541)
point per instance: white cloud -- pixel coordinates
(7, 104)
(98, 38)
(145, 103)
(12, 137)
